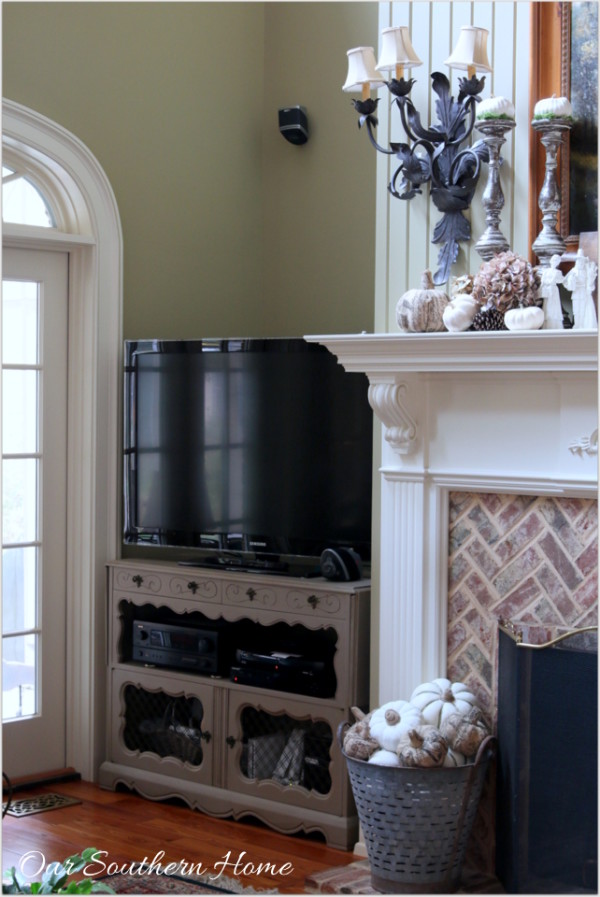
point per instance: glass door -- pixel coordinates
(34, 462)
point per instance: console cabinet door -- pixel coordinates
(162, 724)
(285, 751)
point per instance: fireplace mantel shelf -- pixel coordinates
(381, 355)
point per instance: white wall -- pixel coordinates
(404, 228)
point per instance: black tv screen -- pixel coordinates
(261, 447)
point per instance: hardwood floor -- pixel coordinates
(129, 828)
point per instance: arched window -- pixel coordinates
(22, 202)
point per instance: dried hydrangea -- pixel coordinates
(506, 281)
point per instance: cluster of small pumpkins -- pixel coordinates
(503, 295)
(441, 725)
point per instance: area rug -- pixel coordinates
(27, 806)
(156, 883)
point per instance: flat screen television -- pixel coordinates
(246, 450)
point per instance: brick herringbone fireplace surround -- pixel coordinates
(526, 559)
(533, 561)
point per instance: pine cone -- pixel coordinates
(506, 281)
(489, 319)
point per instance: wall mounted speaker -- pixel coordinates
(341, 564)
(293, 124)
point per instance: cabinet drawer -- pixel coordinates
(312, 602)
(162, 726)
(167, 585)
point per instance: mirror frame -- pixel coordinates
(550, 73)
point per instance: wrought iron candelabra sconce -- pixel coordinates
(436, 155)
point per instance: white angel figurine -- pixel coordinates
(550, 279)
(580, 280)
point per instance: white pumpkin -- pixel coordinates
(496, 107)
(454, 759)
(438, 699)
(529, 318)
(459, 313)
(420, 311)
(553, 107)
(384, 758)
(390, 721)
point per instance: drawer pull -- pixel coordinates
(313, 600)
(193, 587)
(251, 593)
(230, 741)
(206, 736)
(137, 579)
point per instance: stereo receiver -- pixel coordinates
(184, 647)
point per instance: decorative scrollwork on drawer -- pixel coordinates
(206, 589)
(323, 602)
(128, 581)
(241, 593)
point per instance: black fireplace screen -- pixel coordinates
(547, 789)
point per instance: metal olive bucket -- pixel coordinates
(416, 822)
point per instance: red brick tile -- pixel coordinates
(522, 597)
(457, 636)
(524, 565)
(586, 596)
(521, 536)
(458, 602)
(588, 559)
(482, 559)
(559, 560)
(480, 590)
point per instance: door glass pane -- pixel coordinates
(19, 411)
(20, 322)
(21, 466)
(19, 663)
(19, 589)
(19, 500)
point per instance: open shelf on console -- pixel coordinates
(283, 656)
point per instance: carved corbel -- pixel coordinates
(388, 402)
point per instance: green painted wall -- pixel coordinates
(227, 228)
(319, 198)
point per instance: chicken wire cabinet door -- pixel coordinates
(163, 725)
(285, 751)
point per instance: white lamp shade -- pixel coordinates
(470, 50)
(396, 49)
(361, 70)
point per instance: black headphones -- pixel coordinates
(341, 564)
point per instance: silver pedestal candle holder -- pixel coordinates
(549, 242)
(493, 241)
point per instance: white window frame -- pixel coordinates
(89, 228)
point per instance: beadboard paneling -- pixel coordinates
(404, 229)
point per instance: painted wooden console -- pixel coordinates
(225, 769)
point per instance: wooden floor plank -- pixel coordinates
(128, 828)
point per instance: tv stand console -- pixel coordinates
(255, 733)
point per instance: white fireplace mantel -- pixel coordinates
(493, 411)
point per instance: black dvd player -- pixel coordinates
(303, 683)
(283, 661)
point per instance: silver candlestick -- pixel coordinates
(549, 242)
(493, 241)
